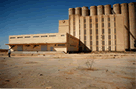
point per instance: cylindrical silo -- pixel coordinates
(124, 12)
(71, 11)
(78, 11)
(116, 8)
(100, 10)
(93, 10)
(132, 22)
(84, 11)
(107, 9)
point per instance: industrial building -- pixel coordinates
(101, 28)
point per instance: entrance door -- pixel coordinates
(43, 47)
(20, 48)
(51, 48)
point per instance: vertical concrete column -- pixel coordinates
(107, 9)
(82, 30)
(100, 10)
(71, 24)
(116, 8)
(112, 32)
(100, 32)
(77, 11)
(71, 11)
(84, 11)
(77, 17)
(106, 32)
(124, 12)
(94, 33)
(132, 23)
(88, 31)
(93, 10)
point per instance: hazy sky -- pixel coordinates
(38, 16)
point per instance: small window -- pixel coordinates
(96, 25)
(35, 36)
(90, 20)
(62, 35)
(109, 31)
(52, 35)
(90, 25)
(44, 36)
(19, 37)
(96, 31)
(102, 31)
(102, 24)
(108, 24)
(84, 37)
(84, 20)
(12, 37)
(96, 19)
(103, 43)
(90, 31)
(91, 42)
(27, 36)
(85, 42)
(102, 19)
(96, 42)
(84, 25)
(61, 44)
(115, 30)
(109, 36)
(114, 24)
(115, 36)
(108, 19)
(96, 37)
(90, 37)
(84, 31)
(103, 37)
(109, 42)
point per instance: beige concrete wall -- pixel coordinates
(100, 32)
(71, 24)
(88, 31)
(57, 39)
(63, 26)
(72, 42)
(77, 17)
(120, 33)
(94, 33)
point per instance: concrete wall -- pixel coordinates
(63, 26)
(56, 39)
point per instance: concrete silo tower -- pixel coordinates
(78, 11)
(84, 11)
(71, 11)
(116, 8)
(132, 22)
(93, 10)
(107, 9)
(100, 10)
(124, 12)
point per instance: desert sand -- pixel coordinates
(69, 71)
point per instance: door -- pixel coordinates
(20, 48)
(43, 47)
(51, 48)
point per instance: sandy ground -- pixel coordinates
(68, 73)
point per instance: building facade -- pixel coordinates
(102, 28)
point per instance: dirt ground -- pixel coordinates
(71, 72)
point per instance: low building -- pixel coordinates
(44, 42)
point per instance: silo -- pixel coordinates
(78, 11)
(107, 9)
(116, 8)
(84, 11)
(100, 10)
(93, 10)
(132, 22)
(124, 12)
(71, 11)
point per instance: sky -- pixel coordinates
(18, 17)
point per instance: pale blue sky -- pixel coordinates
(38, 16)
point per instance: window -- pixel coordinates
(90, 31)
(96, 42)
(19, 37)
(27, 36)
(115, 36)
(90, 25)
(85, 42)
(97, 49)
(84, 20)
(96, 37)
(109, 37)
(96, 31)
(108, 24)
(115, 30)
(62, 35)
(44, 36)
(61, 44)
(12, 37)
(108, 19)
(114, 24)
(96, 25)
(79, 21)
(102, 19)
(102, 31)
(84, 25)
(84, 37)
(109, 42)
(96, 19)
(35, 36)
(102, 24)
(103, 37)
(91, 43)
(90, 20)
(103, 48)
(85, 32)
(109, 31)
(52, 35)
(103, 43)
(90, 37)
